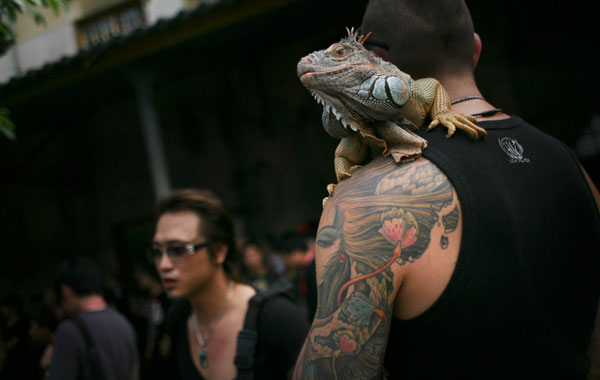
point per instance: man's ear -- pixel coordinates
(477, 46)
(220, 253)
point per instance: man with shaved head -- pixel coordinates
(479, 260)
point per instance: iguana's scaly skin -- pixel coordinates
(372, 106)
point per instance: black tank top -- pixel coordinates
(522, 299)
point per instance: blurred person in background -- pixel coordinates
(16, 361)
(41, 332)
(309, 232)
(294, 248)
(96, 341)
(256, 270)
(149, 304)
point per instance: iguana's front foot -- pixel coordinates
(402, 144)
(454, 120)
(344, 169)
(350, 152)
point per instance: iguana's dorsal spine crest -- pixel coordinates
(353, 36)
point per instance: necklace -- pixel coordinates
(203, 341)
(487, 112)
(472, 97)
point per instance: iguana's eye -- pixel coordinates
(337, 51)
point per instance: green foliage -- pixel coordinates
(7, 127)
(9, 10)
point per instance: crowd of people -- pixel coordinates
(28, 326)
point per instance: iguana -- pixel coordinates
(372, 106)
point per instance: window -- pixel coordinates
(115, 22)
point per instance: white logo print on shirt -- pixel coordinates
(513, 149)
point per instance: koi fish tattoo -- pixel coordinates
(377, 219)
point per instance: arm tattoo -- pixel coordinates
(450, 220)
(383, 218)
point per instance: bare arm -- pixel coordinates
(594, 349)
(377, 223)
(593, 187)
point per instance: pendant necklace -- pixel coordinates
(203, 341)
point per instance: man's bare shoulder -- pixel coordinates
(383, 179)
(393, 209)
(413, 209)
(380, 225)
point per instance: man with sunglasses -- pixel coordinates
(195, 254)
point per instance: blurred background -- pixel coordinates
(118, 102)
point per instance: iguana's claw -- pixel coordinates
(454, 120)
(330, 189)
(345, 174)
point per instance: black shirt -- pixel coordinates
(282, 328)
(522, 299)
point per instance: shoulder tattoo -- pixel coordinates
(381, 217)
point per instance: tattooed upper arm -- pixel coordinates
(377, 221)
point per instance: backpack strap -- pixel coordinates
(92, 355)
(246, 344)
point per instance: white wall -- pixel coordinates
(38, 45)
(157, 9)
(47, 48)
(8, 65)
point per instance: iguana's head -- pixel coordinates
(352, 82)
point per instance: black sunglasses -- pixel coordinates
(175, 251)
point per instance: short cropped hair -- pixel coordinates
(215, 224)
(82, 275)
(424, 38)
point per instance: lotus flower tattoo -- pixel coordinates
(399, 228)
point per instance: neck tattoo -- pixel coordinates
(203, 341)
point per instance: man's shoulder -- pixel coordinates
(107, 315)
(383, 179)
(387, 203)
(274, 302)
(108, 321)
(67, 329)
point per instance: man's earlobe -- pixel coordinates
(221, 252)
(477, 46)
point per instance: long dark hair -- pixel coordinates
(215, 224)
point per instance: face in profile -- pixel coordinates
(181, 254)
(253, 258)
